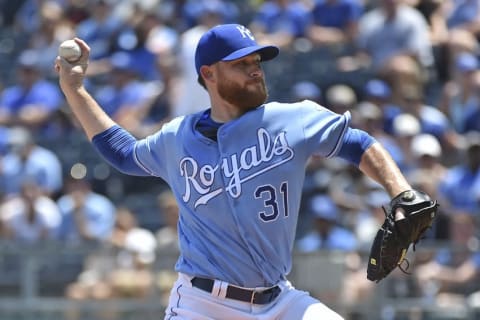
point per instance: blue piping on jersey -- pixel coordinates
(338, 144)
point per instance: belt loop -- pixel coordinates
(252, 298)
(217, 285)
(222, 293)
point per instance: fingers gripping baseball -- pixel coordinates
(70, 50)
(72, 72)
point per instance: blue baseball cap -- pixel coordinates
(378, 89)
(122, 60)
(228, 42)
(307, 90)
(466, 62)
(323, 207)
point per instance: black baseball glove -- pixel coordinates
(394, 237)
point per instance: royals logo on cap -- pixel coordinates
(228, 42)
(245, 32)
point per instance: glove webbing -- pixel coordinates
(383, 249)
(404, 259)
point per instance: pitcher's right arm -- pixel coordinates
(114, 143)
(87, 111)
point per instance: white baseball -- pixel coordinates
(69, 50)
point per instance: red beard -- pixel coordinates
(249, 96)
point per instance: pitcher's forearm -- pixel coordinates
(378, 164)
(87, 111)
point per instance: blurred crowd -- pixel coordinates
(407, 70)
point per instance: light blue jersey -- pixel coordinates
(252, 181)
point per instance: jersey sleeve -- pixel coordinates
(323, 129)
(150, 154)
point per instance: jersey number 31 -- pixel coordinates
(269, 194)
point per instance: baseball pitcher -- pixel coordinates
(237, 171)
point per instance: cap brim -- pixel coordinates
(266, 53)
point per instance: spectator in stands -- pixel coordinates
(434, 13)
(133, 275)
(30, 216)
(126, 94)
(149, 42)
(463, 14)
(167, 235)
(86, 215)
(408, 96)
(306, 90)
(369, 220)
(458, 188)
(143, 65)
(167, 244)
(334, 22)
(473, 122)
(379, 92)
(193, 10)
(461, 96)
(455, 270)
(426, 173)
(347, 188)
(3, 229)
(393, 28)
(371, 117)
(4, 138)
(459, 41)
(405, 127)
(28, 159)
(189, 97)
(427, 153)
(356, 288)
(26, 19)
(160, 38)
(126, 274)
(326, 233)
(99, 28)
(53, 29)
(399, 71)
(432, 120)
(280, 22)
(340, 98)
(32, 101)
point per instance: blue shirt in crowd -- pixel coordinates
(42, 165)
(43, 93)
(98, 212)
(291, 20)
(338, 238)
(338, 14)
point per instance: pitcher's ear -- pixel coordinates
(206, 72)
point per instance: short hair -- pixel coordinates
(201, 81)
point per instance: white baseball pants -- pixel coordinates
(190, 303)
